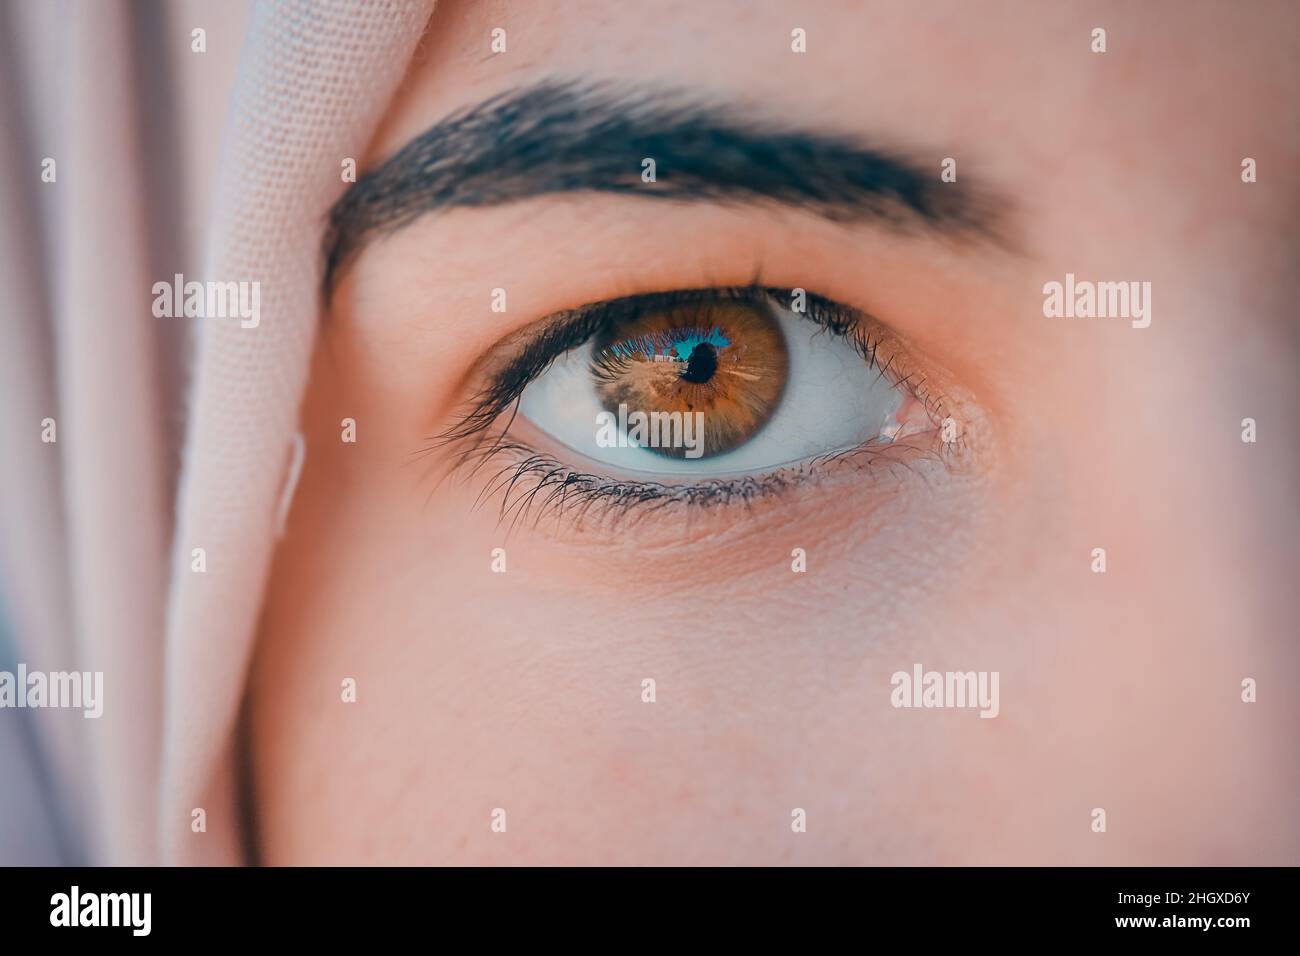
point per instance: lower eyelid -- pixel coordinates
(529, 487)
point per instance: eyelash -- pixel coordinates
(586, 496)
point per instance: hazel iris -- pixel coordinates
(725, 359)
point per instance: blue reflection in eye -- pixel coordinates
(686, 345)
(678, 343)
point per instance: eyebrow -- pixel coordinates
(566, 137)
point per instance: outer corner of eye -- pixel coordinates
(720, 382)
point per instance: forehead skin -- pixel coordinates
(1119, 691)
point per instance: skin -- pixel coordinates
(1120, 690)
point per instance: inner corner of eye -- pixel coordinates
(725, 384)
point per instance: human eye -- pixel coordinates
(699, 398)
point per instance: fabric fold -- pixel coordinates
(313, 81)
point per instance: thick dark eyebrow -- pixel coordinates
(562, 137)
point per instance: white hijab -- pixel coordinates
(99, 529)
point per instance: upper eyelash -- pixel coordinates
(569, 330)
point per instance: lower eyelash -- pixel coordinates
(534, 485)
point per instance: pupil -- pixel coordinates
(702, 364)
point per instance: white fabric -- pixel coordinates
(312, 83)
(113, 91)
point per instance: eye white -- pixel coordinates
(833, 401)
